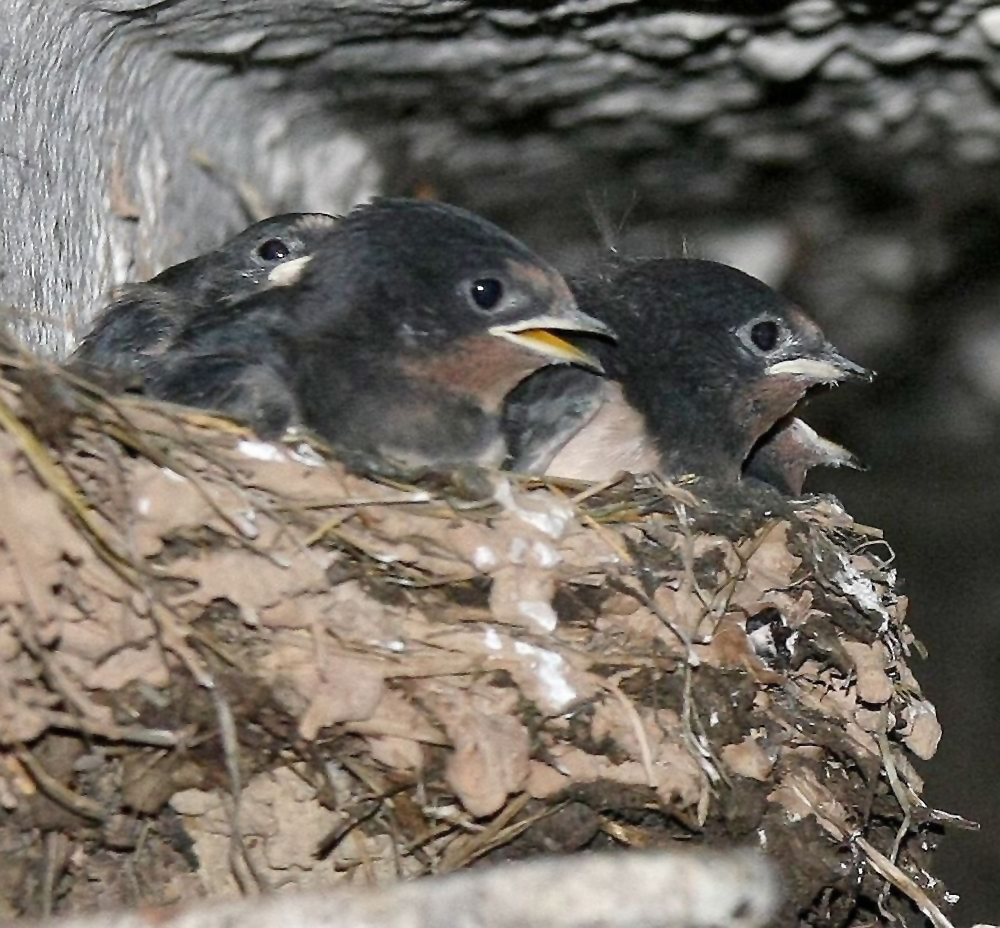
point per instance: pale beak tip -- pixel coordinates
(854, 371)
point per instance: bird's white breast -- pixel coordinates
(614, 440)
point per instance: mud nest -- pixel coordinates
(229, 664)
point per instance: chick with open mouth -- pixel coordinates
(708, 361)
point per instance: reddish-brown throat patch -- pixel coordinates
(483, 367)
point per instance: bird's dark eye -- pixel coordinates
(486, 292)
(274, 249)
(764, 334)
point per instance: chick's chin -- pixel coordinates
(764, 403)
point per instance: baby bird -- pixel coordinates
(707, 361)
(135, 331)
(398, 331)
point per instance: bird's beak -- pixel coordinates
(537, 335)
(289, 273)
(835, 455)
(284, 275)
(827, 453)
(825, 366)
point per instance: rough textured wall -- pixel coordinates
(126, 148)
(137, 134)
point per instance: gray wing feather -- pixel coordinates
(545, 411)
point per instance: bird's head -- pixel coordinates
(270, 254)
(712, 357)
(443, 292)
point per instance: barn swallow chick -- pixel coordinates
(140, 327)
(786, 454)
(400, 336)
(707, 360)
(407, 332)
